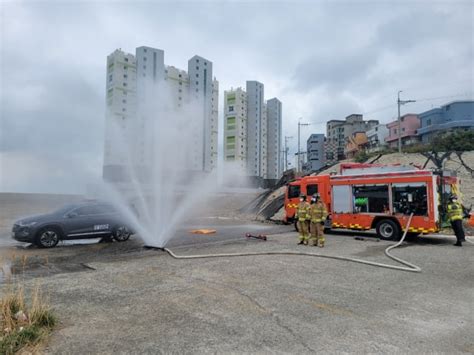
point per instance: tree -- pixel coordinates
(442, 146)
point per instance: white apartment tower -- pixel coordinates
(203, 91)
(274, 168)
(252, 132)
(256, 148)
(121, 106)
(133, 85)
(235, 129)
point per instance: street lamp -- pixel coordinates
(399, 103)
(299, 147)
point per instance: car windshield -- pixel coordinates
(64, 209)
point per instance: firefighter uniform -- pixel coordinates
(455, 214)
(318, 214)
(302, 214)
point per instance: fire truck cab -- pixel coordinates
(377, 197)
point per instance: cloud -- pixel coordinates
(323, 60)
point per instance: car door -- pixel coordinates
(106, 219)
(82, 222)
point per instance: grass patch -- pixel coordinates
(23, 324)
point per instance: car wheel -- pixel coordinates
(48, 237)
(121, 234)
(388, 230)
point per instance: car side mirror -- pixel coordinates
(71, 215)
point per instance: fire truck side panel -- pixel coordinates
(361, 201)
(363, 221)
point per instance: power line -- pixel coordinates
(444, 97)
(424, 99)
(378, 109)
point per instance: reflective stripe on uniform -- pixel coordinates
(454, 211)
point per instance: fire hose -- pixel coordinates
(407, 266)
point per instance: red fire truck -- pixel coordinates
(365, 196)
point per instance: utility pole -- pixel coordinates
(286, 151)
(399, 103)
(298, 168)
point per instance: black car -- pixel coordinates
(75, 221)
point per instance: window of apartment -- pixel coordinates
(124, 101)
(197, 82)
(144, 59)
(197, 75)
(197, 60)
(428, 122)
(125, 76)
(231, 108)
(124, 84)
(125, 67)
(395, 131)
(110, 77)
(144, 67)
(144, 50)
(126, 59)
(179, 76)
(403, 129)
(230, 123)
(230, 142)
(180, 83)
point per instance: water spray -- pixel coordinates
(407, 266)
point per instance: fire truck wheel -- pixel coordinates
(388, 230)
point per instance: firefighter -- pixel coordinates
(302, 215)
(318, 214)
(455, 215)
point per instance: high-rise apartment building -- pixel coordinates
(235, 129)
(256, 148)
(139, 88)
(315, 152)
(339, 131)
(252, 133)
(121, 106)
(274, 136)
(204, 92)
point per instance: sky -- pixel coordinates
(323, 59)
